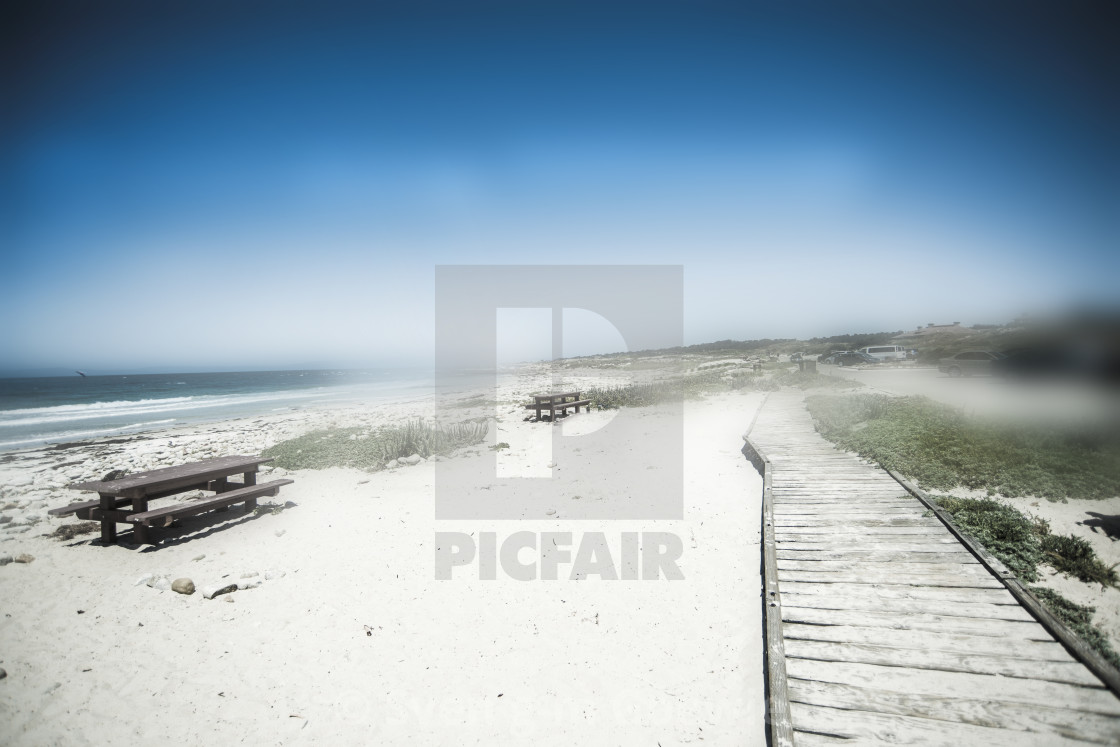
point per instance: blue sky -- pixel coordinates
(272, 184)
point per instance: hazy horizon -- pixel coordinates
(260, 186)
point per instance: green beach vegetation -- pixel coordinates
(771, 378)
(943, 449)
(371, 450)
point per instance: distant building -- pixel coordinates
(935, 329)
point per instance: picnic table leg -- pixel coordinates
(250, 478)
(108, 519)
(221, 485)
(139, 531)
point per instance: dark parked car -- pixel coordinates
(969, 362)
(1081, 362)
(849, 358)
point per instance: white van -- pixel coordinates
(885, 352)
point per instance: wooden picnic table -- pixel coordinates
(125, 500)
(560, 401)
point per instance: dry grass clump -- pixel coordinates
(372, 450)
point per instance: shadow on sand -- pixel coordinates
(1109, 524)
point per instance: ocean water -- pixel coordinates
(37, 411)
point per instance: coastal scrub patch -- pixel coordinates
(1022, 542)
(942, 449)
(1005, 532)
(1079, 619)
(644, 395)
(369, 450)
(1074, 556)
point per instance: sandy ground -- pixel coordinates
(349, 638)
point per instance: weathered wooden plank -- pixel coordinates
(868, 577)
(1032, 719)
(946, 594)
(1070, 672)
(786, 552)
(910, 606)
(782, 510)
(959, 684)
(810, 739)
(862, 531)
(850, 503)
(1046, 650)
(853, 549)
(934, 623)
(900, 572)
(840, 522)
(878, 728)
(791, 534)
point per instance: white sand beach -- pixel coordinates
(348, 638)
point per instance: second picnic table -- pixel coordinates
(560, 401)
(125, 500)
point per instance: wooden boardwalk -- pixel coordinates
(890, 631)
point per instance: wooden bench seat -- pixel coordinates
(82, 509)
(162, 517)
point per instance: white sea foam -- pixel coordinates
(143, 407)
(69, 435)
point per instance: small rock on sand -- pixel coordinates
(183, 586)
(25, 558)
(3, 673)
(214, 590)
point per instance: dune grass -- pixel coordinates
(942, 449)
(371, 450)
(697, 385)
(652, 393)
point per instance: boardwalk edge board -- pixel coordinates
(780, 732)
(1077, 648)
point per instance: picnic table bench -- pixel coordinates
(560, 401)
(125, 499)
